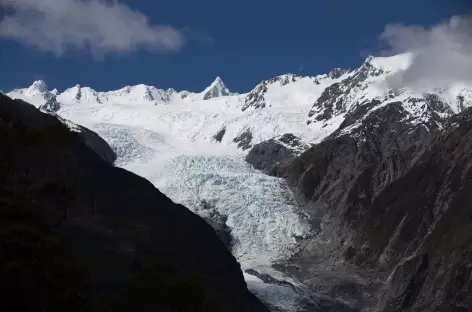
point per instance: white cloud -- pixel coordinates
(99, 26)
(443, 53)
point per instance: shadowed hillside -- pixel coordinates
(80, 234)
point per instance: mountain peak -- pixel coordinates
(39, 86)
(216, 89)
(336, 73)
(218, 82)
(283, 79)
(391, 63)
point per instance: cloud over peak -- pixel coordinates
(443, 53)
(98, 26)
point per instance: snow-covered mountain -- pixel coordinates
(308, 107)
(38, 94)
(216, 89)
(192, 145)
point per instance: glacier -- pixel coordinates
(259, 211)
(168, 137)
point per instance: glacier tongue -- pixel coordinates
(259, 210)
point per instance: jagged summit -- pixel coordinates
(391, 63)
(74, 93)
(36, 94)
(337, 73)
(39, 86)
(216, 89)
(218, 80)
(322, 101)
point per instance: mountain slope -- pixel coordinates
(139, 247)
(216, 89)
(322, 101)
(355, 125)
(310, 108)
(390, 208)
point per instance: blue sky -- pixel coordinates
(241, 41)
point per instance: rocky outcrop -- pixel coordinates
(390, 207)
(335, 99)
(219, 135)
(244, 140)
(273, 156)
(51, 105)
(256, 98)
(135, 249)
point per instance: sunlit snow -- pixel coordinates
(168, 137)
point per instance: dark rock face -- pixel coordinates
(337, 73)
(269, 279)
(255, 98)
(51, 105)
(346, 97)
(97, 144)
(148, 95)
(332, 101)
(219, 136)
(244, 139)
(292, 141)
(284, 79)
(78, 95)
(218, 223)
(395, 201)
(143, 252)
(357, 113)
(29, 115)
(460, 102)
(273, 156)
(222, 232)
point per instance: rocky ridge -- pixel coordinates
(388, 201)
